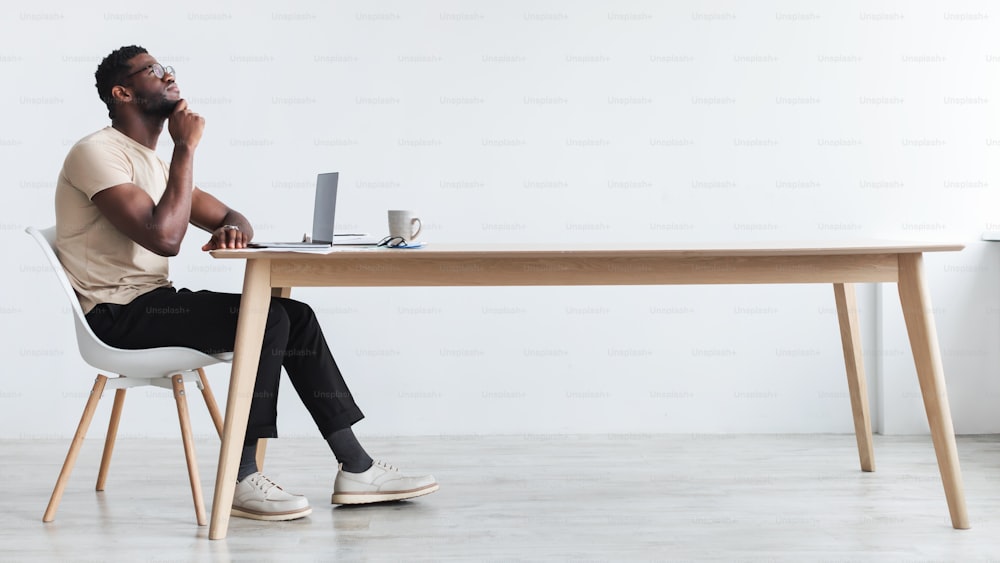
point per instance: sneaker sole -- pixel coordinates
(368, 498)
(272, 516)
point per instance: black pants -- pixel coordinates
(206, 321)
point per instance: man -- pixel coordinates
(121, 211)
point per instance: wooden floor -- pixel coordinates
(523, 498)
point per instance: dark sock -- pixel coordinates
(348, 450)
(248, 461)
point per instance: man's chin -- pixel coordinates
(165, 108)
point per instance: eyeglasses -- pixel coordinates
(159, 71)
(392, 242)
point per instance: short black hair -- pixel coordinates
(112, 70)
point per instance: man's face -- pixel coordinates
(153, 96)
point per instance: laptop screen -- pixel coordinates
(325, 206)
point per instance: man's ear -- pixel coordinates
(121, 94)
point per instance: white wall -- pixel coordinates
(555, 121)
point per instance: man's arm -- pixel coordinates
(159, 227)
(210, 214)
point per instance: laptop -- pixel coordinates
(324, 208)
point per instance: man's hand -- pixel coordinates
(185, 126)
(228, 236)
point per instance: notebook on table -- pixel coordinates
(324, 211)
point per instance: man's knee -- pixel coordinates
(297, 311)
(277, 317)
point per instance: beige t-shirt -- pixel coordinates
(104, 265)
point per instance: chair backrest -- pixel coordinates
(153, 362)
(46, 238)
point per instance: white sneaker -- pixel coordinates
(260, 498)
(382, 482)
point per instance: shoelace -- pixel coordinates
(386, 466)
(264, 484)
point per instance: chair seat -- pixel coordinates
(148, 362)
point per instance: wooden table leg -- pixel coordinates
(249, 339)
(850, 337)
(916, 302)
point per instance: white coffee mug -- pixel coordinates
(405, 224)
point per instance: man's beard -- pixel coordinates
(158, 106)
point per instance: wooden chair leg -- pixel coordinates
(188, 438)
(261, 450)
(109, 441)
(213, 407)
(74, 448)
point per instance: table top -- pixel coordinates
(616, 249)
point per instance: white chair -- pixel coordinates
(168, 367)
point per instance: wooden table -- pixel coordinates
(276, 272)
